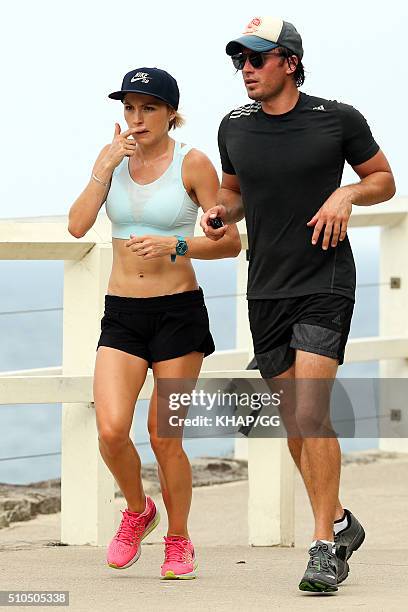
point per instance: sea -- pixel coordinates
(31, 297)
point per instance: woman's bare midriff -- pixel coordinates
(132, 276)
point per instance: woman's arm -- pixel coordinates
(83, 212)
(201, 181)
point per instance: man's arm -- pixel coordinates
(376, 185)
(363, 154)
(229, 207)
(377, 182)
(204, 183)
(230, 197)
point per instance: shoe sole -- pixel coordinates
(316, 586)
(341, 578)
(170, 575)
(152, 525)
(355, 545)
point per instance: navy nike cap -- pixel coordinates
(150, 81)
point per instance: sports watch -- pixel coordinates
(181, 248)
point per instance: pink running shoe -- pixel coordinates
(125, 548)
(179, 559)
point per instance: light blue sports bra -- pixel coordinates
(162, 207)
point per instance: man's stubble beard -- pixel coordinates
(266, 96)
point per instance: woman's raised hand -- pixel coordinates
(121, 146)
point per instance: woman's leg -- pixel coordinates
(174, 467)
(118, 379)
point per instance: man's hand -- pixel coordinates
(211, 213)
(334, 214)
(150, 247)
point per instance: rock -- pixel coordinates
(219, 467)
(15, 509)
(23, 502)
(49, 505)
(4, 522)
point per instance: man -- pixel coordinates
(282, 159)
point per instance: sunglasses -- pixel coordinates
(256, 59)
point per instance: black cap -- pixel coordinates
(150, 81)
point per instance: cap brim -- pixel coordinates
(255, 43)
(119, 95)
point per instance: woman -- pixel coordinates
(155, 314)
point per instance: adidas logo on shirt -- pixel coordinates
(320, 108)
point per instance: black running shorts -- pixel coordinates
(157, 328)
(318, 323)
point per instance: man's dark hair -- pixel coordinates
(299, 74)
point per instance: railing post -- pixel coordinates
(270, 466)
(243, 336)
(87, 486)
(393, 318)
(271, 502)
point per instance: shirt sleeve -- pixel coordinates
(222, 146)
(358, 143)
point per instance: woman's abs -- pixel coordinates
(132, 276)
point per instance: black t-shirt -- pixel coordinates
(287, 166)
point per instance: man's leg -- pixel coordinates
(304, 409)
(295, 445)
(292, 328)
(317, 453)
(320, 457)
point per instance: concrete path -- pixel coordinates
(232, 576)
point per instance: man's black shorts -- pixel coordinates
(157, 328)
(318, 323)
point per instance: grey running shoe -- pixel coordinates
(321, 572)
(342, 565)
(347, 541)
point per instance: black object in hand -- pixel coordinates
(216, 223)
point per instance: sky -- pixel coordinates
(61, 59)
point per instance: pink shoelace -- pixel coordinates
(175, 550)
(130, 528)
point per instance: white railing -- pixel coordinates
(87, 487)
